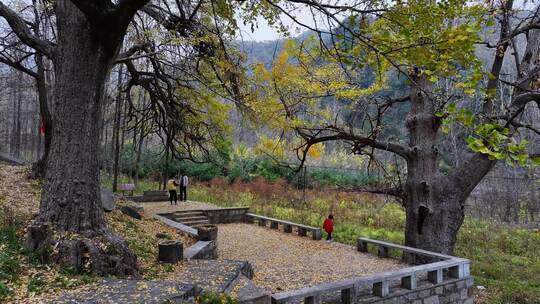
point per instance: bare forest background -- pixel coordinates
(129, 145)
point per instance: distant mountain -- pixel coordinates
(261, 52)
(266, 51)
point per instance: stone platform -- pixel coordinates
(214, 275)
(196, 277)
(131, 291)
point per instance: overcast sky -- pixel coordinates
(264, 32)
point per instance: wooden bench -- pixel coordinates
(127, 188)
(287, 226)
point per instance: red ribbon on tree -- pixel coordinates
(42, 127)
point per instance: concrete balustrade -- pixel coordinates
(435, 276)
(383, 252)
(387, 285)
(409, 282)
(287, 226)
(348, 295)
(381, 289)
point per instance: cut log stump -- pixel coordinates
(207, 233)
(170, 252)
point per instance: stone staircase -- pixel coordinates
(191, 218)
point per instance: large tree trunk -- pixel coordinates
(71, 215)
(435, 202)
(433, 212)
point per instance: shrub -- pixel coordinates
(216, 298)
(36, 283)
(10, 244)
(4, 291)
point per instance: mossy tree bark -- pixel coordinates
(70, 217)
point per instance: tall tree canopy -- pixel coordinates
(427, 51)
(178, 53)
(87, 40)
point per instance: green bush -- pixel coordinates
(9, 266)
(343, 178)
(216, 298)
(244, 168)
(36, 284)
(10, 245)
(4, 291)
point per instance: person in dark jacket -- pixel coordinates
(328, 226)
(183, 187)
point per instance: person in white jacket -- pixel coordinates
(183, 187)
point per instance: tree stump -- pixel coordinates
(170, 252)
(207, 233)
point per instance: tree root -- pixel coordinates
(38, 169)
(99, 253)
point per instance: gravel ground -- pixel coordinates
(286, 261)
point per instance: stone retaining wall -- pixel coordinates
(450, 292)
(226, 215)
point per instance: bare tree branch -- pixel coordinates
(19, 26)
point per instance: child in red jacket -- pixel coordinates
(328, 226)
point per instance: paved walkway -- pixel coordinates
(165, 207)
(114, 291)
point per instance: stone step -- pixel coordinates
(189, 212)
(198, 222)
(184, 215)
(247, 292)
(199, 225)
(189, 218)
(185, 222)
(126, 291)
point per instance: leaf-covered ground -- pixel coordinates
(284, 261)
(24, 279)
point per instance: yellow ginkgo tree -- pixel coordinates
(392, 82)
